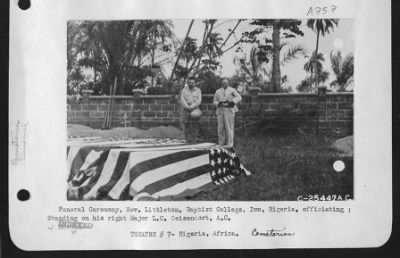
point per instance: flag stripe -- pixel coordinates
(167, 159)
(105, 174)
(71, 156)
(93, 180)
(91, 158)
(78, 158)
(187, 185)
(135, 157)
(163, 172)
(78, 161)
(118, 170)
(175, 179)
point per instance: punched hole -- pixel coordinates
(339, 166)
(24, 4)
(23, 195)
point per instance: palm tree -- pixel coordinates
(343, 69)
(259, 67)
(159, 31)
(181, 49)
(212, 50)
(321, 27)
(118, 50)
(189, 53)
(281, 29)
(314, 64)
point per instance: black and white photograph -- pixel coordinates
(191, 125)
(210, 110)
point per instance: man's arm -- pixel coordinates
(183, 101)
(197, 103)
(216, 102)
(236, 96)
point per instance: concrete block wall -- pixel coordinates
(335, 110)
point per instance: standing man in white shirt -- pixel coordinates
(226, 99)
(191, 100)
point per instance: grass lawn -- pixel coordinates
(284, 167)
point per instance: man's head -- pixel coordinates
(225, 83)
(191, 82)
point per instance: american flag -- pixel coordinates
(146, 169)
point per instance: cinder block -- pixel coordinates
(173, 114)
(148, 101)
(102, 107)
(126, 107)
(145, 107)
(162, 114)
(162, 101)
(149, 113)
(155, 107)
(97, 114)
(332, 105)
(168, 107)
(348, 114)
(345, 105)
(76, 107)
(82, 113)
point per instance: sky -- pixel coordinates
(342, 38)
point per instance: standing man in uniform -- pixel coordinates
(226, 99)
(191, 100)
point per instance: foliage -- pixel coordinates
(209, 82)
(313, 66)
(128, 51)
(237, 79)
(157, 91)
(306, 85)
(289, 28)
(75, 79)
(323, 27)
(315, 61)
(292, 53)
(281, 28)
(200, 59)
(259, 68)
(212, 50)
(343, 70)
(117, 50)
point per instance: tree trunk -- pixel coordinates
(316, 80)
(120, 86)
(152, 58)
(181, 49)
(276, 69)
(315, 62)
(202, 48)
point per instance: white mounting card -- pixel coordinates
(295, 189)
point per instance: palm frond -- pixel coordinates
(336, 62)
(293, 53)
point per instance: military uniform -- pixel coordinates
(190, 100)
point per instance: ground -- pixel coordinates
(286, 167)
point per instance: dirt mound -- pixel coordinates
(344, 145)
(160, 132)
